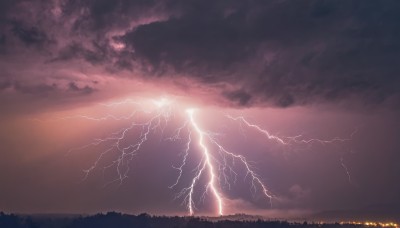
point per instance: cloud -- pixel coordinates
(239, 97)
(38, 89)
(274, 53)
(283, 53)
(29, 35)
(72, 86)
(76, 51)
(4, 85)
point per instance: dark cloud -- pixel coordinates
(72, 86)
(102, 15)
(274, 53)
(74, 50)
(5, 7)
(287, 53)
(238, 96)
(2, 39)
(4, 85)
(29, 35)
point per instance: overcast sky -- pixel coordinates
(322, 69)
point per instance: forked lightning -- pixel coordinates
(213, 165)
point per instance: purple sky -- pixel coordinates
(323, 69)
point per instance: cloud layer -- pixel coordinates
(251, 53)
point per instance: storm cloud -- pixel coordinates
(285, 53)
(256, 53)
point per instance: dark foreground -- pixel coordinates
(119, 220)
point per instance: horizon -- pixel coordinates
(223, 218)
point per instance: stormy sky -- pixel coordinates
(323, 69)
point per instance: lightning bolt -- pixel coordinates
(217, 164)
(346, 169)
(298, 139)
(116, 140)
(207, 163)
(288, 140)
(258, 128)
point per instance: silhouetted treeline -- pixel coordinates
(118, 220)
(11, 221)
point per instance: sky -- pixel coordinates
(74, 71)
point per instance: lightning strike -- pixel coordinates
(207, 163)
(288, 140)
(298, 139)
(346, 170)
(215, 167)
(258, 128)
(180, 168)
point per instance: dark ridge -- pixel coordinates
(115, 219)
